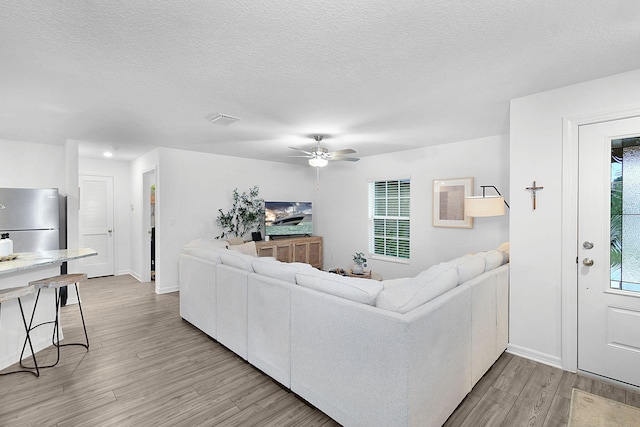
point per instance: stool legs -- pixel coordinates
(86, 336)
(27, 339)
(55, 337)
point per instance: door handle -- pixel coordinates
(588, 262)
(587, 245)
(109, 231)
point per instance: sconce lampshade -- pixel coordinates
(318, 162)
(484, 206)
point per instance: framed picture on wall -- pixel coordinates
(448, 202)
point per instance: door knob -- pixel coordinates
(110, 231)
(587, 245)
(588, 262)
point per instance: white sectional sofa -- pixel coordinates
(401, 352)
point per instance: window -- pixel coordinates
(389, 219)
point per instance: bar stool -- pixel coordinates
(55, 283)
(18, 293)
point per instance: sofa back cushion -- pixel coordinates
(492, 259)
(209, 249)
(418, 290)
(360, 290)
(468, 266)
(271, 267)
(237, 260)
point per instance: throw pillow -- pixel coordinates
(504, 248)
(235, 241)
(248, 248)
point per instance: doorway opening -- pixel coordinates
(149, 209)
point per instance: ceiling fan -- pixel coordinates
(319, 156)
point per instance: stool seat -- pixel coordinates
(58, 281)
(15, 293)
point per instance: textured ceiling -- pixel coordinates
(376, 75)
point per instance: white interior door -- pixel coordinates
(96, 224)
(609, 250)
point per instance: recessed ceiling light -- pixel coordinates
(109, 153)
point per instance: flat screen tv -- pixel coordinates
(288, 219)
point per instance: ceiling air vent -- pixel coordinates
(222, 119)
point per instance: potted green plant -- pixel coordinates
(246, 214)
(359, 263)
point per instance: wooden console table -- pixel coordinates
(295, 249)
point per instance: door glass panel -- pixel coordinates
(625, 214)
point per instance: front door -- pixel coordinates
(96, 224)
(609, 250)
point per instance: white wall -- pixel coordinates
(340, 214)
(28, 165)
(191, 187)
(121, 174)
(73, 208)
(536, 236)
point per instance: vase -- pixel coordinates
(357, 269)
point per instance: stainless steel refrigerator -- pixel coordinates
(31, 216)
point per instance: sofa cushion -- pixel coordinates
(237, 260)
(493, 259)
(271, 267)
(209, 249)
(389, 283)
(418, 290)
(248, 248)
(468, 266)
(355, 289)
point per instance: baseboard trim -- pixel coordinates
(123, 272)
(168, 290)
(534, 355)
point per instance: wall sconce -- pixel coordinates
(476, 206)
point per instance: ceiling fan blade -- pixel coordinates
(348, 159)
(340, 152)
(292, 157)
(304, 151)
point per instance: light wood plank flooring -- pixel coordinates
(148, 367)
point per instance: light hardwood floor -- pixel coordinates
(148, 367)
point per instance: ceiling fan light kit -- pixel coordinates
(319, 156)
(318, 162)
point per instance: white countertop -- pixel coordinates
(28, 260)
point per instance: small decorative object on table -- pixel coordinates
(360, 262)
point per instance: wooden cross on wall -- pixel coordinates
(533, 190)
